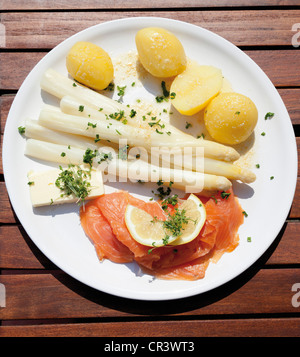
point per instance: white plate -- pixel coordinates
(56, 230)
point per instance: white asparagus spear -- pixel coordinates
(133, 170)
(170, 158)
(112, 131)
(204, 164)
(115, 130)
(60, 86)
(36, 131)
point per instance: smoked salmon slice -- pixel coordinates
(99, 231)
(103, 221)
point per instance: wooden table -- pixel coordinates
(42, 300)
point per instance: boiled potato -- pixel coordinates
(160, 52)
(230, 118)
(90, 65)
(195, 87)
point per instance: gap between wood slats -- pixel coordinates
(243, 28)
(120, 5)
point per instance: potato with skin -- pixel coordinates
(230, 118)
(90, 65)
(195, 87)
(160, 52)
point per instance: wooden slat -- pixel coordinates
(17, 251)
(281, 66)
(43, 296)
(295, 209)
(6, 213)
(243, 28)
(133, 4)
(291, 99)
(273, 327)
(22, 64)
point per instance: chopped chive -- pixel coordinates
(269, 115)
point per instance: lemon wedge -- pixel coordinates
(179, 228)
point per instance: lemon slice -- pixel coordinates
(145, 229)
(150, 231)
(196, 213)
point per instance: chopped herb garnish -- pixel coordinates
(89, 156)
(117, 115)
(81, 108)
(121, 91)
(97, 138)
(245, 213)
(214, 198)
(272, 178)
(21, 129)
(74, 181)
(63, 154)
(188, 125)
(173, 200)
(263, 133)
(175, 222)
(105, 157)
(30, 183)
(257, 166)
(225, 195)
(132, 113)
(159, 99)
(74, 84)
(118, 132)
(249, 239)
(269, 115)
(91, 125)
(166, 93)
(237, 113)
